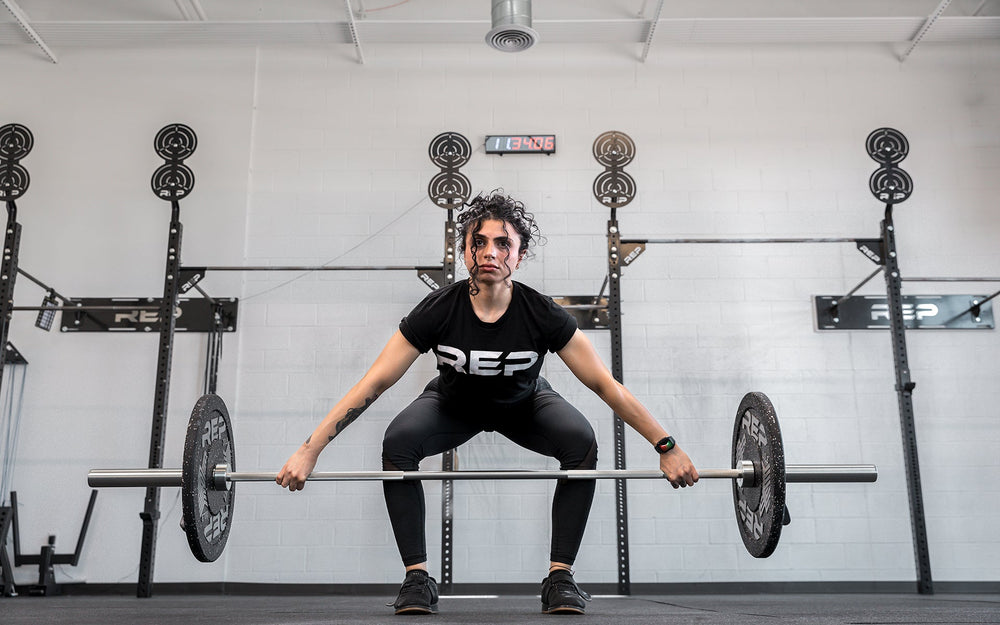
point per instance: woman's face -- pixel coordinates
(491, 255)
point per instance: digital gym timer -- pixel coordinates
(520, 144)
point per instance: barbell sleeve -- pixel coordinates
(149, 478)
(803, 473)
(818, 473)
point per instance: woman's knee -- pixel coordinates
(402, 443)
(572, 438)
(580, 451)
(398, 450)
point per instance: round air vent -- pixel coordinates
(512, 31)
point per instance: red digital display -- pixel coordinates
(520, 144)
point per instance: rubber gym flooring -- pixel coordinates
(800, 609)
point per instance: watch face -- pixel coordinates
(665, 445)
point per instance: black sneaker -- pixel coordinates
(418, 594)
(561, 595)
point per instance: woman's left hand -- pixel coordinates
(678, 468)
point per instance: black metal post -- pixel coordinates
(213, 352)
(8, 275)
(448, 458)
(904, 392)
(617, 370)
(151, 512)
(7, 587)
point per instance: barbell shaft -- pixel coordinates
(394, 476)
(803, 473)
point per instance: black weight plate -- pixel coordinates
(614, 188)
(172, 181)
(887, 145)
(449, 189)
(14, 181)
(15, 142)
(890, 184)
(614, 149)
(175, 142)
(449, 150)
(208, 512)
(760, 507)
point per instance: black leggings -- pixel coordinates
(545, 423)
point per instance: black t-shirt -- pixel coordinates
(496, 362)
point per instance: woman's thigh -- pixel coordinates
(422, 429)
(553, 427)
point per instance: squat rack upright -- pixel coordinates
(178, 139)
(615, 188)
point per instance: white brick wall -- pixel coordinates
(305, 156)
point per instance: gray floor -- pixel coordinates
(952, 609)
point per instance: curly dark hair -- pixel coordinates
(501, 207)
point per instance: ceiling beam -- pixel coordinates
(195, 5)
(198, 10)
(22, 21)
(652, 29)
(928, 24)
(354, 32)
(183, 8)
(894, 32)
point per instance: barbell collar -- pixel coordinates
(748, 474)
(152, 478)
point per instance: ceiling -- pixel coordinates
(55, 28)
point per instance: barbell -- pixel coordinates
(208, 476)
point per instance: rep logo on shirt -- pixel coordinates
(482, 362)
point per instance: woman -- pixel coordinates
(490, 335)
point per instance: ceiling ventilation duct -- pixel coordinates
(512, 31)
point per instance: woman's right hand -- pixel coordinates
(293, 475)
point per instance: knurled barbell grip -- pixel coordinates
(114, 478)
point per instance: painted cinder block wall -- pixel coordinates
(307, 157)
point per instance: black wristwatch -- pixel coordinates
(665, 444)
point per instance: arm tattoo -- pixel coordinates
(308, 439)
(352, 415)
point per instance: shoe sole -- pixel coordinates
(562, 609)
(418, 609)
